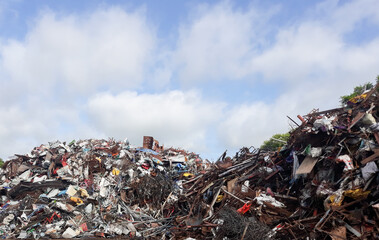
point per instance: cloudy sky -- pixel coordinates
(204, 76)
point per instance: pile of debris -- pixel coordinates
(92, 188)
(322, 185)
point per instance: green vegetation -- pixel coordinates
(358, 90)
(276, 141)
(1, 162)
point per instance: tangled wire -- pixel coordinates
(234, 224)
(152, 189)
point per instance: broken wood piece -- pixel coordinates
(285, 197)
(356, 119)
(231, 184)
(193, 179)
(372, 157)
(278, 210)
(206, 188)
(239, 199)
(306, 166)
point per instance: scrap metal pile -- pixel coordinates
(322, 185)
(92, 188)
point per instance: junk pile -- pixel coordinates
(323, 184)
(93, 188)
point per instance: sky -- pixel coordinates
(206, 76)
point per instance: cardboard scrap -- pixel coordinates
(307, 165)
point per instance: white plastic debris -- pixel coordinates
(131, 173)
(325, 123)
(53, 193)
(348, 162)
(245, 187)
(316, 152)
(103, 190)
(71, 191)
(39, 179)
(65, 206)
(368, 170)
(70, 233)
(8, 219)
(88, 208)
(368, 119)
(262, 198)
(23, 234)
(115, 228)
(25, 175)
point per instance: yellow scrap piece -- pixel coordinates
(219, 198)
(358, 98)
(98, 159)
(83, 193)
(115, 171)
(77, 200)
(187, 174)
(357, 193)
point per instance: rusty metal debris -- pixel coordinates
(322, 185)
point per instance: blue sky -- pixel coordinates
(202, 75)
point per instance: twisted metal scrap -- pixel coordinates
(234, 224)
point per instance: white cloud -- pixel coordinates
(176, 118)
(300, 53)
(345, 16)
(107, 48)
(224, 42)
(250, 124)
(24, 127)
(216, 44)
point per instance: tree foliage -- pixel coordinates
(276, 141)
(358, 90)
(1, 162)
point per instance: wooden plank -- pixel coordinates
(356, 119)
(372, 157)
(307, 165)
